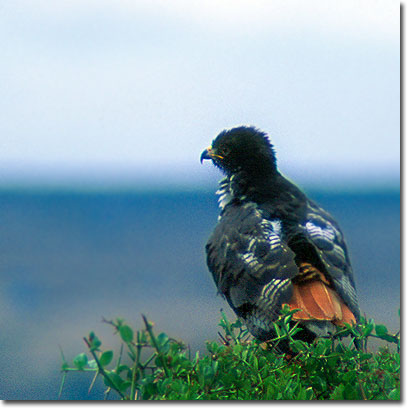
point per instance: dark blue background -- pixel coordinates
(67, 259)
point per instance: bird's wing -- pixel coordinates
(319, 241)
(252, 266)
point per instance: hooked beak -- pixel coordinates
(207, 154)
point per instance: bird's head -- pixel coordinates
(242, 149)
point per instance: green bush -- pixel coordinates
(156, 367)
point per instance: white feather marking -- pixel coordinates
(273, 288)
(224, 192)
(274, 232)
(277, 227)
(315, 231)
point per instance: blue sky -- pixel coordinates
(131, 92)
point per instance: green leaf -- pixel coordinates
(322, 347)
(64, 366)
(237, 349)
(126, 333)
(278, 330)
(388, 338)
(80, 361)
(163, 342)
(368, 329)
(162, 338)
(106, 357)
(337, 393)
(114, 380)
(207, 374)
(123, 367)
(381, 330)
(124, 385)
(365, 356)
(94, 342)
(255, 363)
(394, 394)
(212, 347)
(351, 392)
(215, 366)
(319, 382)
(298, 346)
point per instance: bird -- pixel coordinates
(273, 246)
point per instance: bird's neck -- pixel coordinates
(272, 189)
(254, 186)
(242, 186)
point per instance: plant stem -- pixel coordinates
(155, 344)
(102, 371)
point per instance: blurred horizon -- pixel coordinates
(179, 178)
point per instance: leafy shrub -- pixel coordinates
(242, 368)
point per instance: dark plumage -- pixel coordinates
(273, 245)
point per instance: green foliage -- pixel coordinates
(157, 367)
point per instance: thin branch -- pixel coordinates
(62, 384)
(102, 371)
(155, 344)
(92, 383)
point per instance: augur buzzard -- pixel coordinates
(273, 245)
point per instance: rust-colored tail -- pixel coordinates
(313, 294)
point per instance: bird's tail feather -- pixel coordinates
(313, 294)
